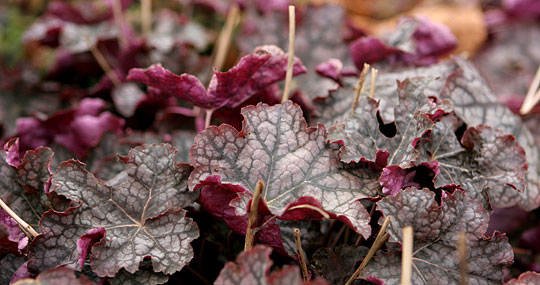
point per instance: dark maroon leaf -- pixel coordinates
(295, 162)
(117, 226)
(436, 228)
(60, 275)
(254, 72)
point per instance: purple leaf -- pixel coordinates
(140, 217)
(475, 104)
(78, 129)
(295, 162)
(23, 188)
(253, 73)
(370, 49)
(362, 136)
(479, 164)
(12, 239)
(436, 228)
(185, 86)
(416, 41)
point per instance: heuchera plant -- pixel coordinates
(129, 178)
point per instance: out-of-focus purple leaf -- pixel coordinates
(78, 129)
(60, 275)
(416, 41)
(319, 36)
(126, 97)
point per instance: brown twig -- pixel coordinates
(224, 39)
(533, 94)
(146, 17)
(103, 63)
(374, 73)
(26, 228)
(462, 250)
(208, 117)
(300, 253)
(406, 257)
(290, 60)
(250, 235)
(119, 20)
(359, 87)
(380, 239)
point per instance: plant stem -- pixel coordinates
(26, 228)
(208, 117)
(103, 63)
(359, 87)
(300, 253)
(462, 250)
(406, 258)
(380, 239)
(529, 101)
(119, 20)
(250, 235)
(290, 60)
(146, 17)
(374, 73)
(224, 39)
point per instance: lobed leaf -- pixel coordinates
(295, 162)
(436, 228)
(118, 226)
(362, 135)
